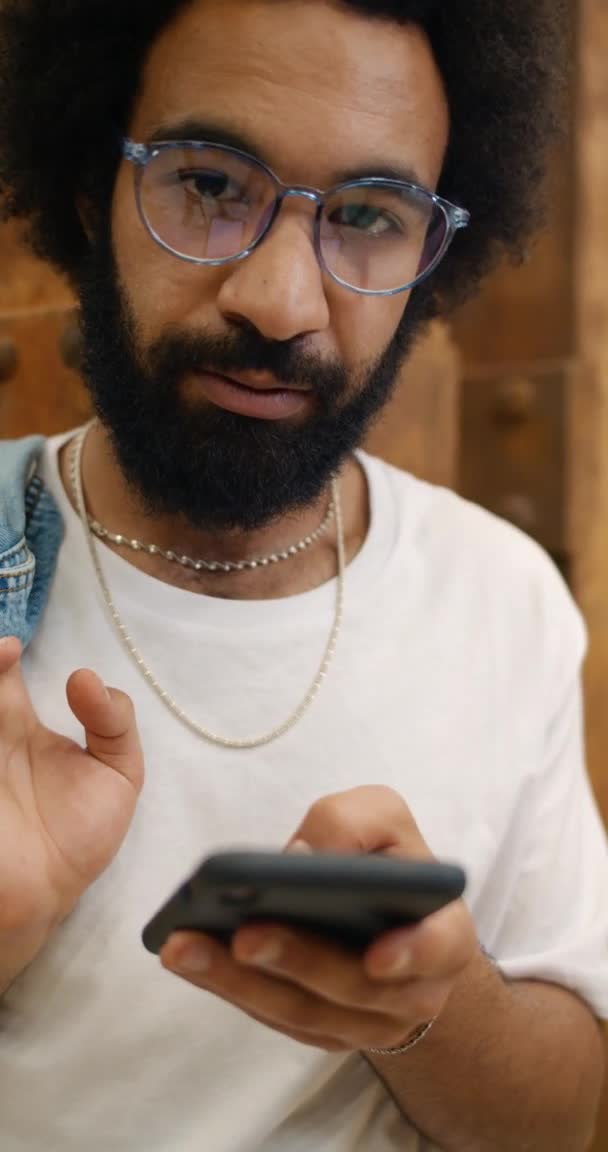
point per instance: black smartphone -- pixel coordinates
(350, 900)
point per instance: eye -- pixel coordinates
(367, 219)
(210, 184)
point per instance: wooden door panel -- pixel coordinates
(589, 414)
(38, 392)
(27, 284)
(419, 430)
(42, 395)
(524, 313)
(550, 317)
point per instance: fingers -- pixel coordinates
(438, 948)
(328, 971)
(108, 718)
(106, 715)
(16, 712)
(10, 653)
(280, 1004)
(361, 821)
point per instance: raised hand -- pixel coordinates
(64, 809)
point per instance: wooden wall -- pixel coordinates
(589, 409)
(589, 509)
(538, 337)
(37, 389)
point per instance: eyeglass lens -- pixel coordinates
(211, 204)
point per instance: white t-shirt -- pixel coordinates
(456, 681)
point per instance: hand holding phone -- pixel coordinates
(350, 900)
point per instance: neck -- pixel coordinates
(112, 502)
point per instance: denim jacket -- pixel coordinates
(31, 532)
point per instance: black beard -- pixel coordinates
(218, 470)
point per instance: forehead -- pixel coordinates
(317, 87)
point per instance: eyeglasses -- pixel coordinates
(213, 205)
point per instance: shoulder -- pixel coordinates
(495, 573)
(19, 458)
(19, 463)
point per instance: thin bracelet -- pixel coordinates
(425, 1028)
(416, 1038)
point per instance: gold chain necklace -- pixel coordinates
(128, 642)
(214, 566)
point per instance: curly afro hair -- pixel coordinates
(69, 71)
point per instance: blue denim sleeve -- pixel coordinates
(31, 532)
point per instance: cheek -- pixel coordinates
(162, 290)
(365, 325)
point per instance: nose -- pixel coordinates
(279, 288)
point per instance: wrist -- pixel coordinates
(416, 1037)
(18, 951)
(22, 941)
(481, 968)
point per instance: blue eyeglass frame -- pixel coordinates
(140, 156)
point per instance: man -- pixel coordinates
(255, 200)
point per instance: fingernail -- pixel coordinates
(401, 965)
(193, 961)
(267, 955)
(301, 847)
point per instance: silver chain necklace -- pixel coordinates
(215, 566)
(126, 639)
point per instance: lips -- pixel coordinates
(256, 395)
(258, 382)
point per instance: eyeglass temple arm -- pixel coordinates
(460, 218)
(136, 153)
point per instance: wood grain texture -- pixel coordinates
(589, 504)
(524, 312)
(43, 395)
(420, 428)
(27, 284)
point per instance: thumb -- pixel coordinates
(108, 718)
(10, 653)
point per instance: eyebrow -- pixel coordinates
(201, 131)
(404, 173)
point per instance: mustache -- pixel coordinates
(178, 353)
